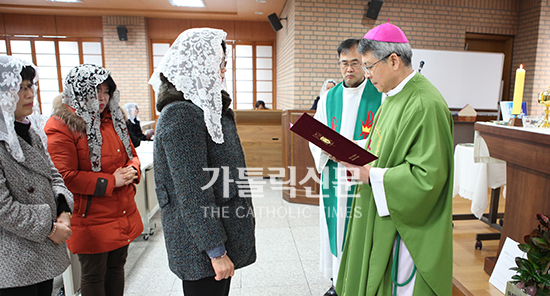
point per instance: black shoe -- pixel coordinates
(331, 292)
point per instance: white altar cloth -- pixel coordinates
(471, 178)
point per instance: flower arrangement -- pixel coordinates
(532, 273)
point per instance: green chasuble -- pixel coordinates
(413, 138)
(370, 101)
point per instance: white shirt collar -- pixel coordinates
(400, 86)
(358, 88)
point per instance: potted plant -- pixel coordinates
(532, 276)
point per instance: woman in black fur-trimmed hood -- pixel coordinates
(208, 223)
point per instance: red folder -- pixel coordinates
(330, 141)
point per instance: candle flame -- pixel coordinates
(521, 66)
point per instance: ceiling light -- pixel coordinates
(188, 3)
(260, 1)
(69, 1)
(259, 13)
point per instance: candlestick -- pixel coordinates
(518, 90)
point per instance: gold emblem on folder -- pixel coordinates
(324, 139)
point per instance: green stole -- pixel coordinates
(370, 101)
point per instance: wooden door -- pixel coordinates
(494, 43)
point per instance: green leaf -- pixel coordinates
(524, 247)
(545, 279)
(540, 242)
(520, 262)
(530, 266)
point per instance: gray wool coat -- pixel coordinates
(28, 207)
(195, 220)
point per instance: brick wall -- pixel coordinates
(285, 59)
(539, 37)
(128, 61)
(320, 25)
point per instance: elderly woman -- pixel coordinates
(89, 144)
(134, 125)
(35, 205)
(208, 223)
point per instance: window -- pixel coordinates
(249, 75)
(264, 74)
(159, 48)
(253, 75)
(3, 47)
(54, 58)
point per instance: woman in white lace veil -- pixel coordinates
(10, 69)
(192, 65)
(35, 205)
(195, 136)
(327, 85)
(134, 125)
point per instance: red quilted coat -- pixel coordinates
(105, 218)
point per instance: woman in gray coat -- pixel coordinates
(199, 165)
(35, 205)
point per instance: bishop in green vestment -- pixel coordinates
(399, 240)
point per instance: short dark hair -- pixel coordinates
(224, 47)
(347, 45)
(28, 73)
(111, 85)
(260, 103)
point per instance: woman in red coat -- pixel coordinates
(89, 144)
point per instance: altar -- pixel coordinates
(527, 155)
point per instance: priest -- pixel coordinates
(401, 243)
(348, 108)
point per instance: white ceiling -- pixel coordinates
(215, 9)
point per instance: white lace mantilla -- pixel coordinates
(192, 65)
(10, 83)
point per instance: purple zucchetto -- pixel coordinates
(386, 33)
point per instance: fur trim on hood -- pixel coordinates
(67, 115)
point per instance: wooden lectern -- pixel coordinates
(260, 134)
(297, 158)
(527, 156)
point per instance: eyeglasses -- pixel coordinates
(223, 64)
(33, 86)
(345, 65)
(367, 68)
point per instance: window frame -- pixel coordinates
(56, 40)
(232, 44)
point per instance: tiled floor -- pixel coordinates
(287, 237)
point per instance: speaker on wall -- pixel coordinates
(275, 22)
(374, 9)
(122, 33)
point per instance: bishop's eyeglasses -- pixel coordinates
(367, 68)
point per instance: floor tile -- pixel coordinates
(287, 238)
(302, 290)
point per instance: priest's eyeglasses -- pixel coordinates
(367, 68)
(345, 65)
